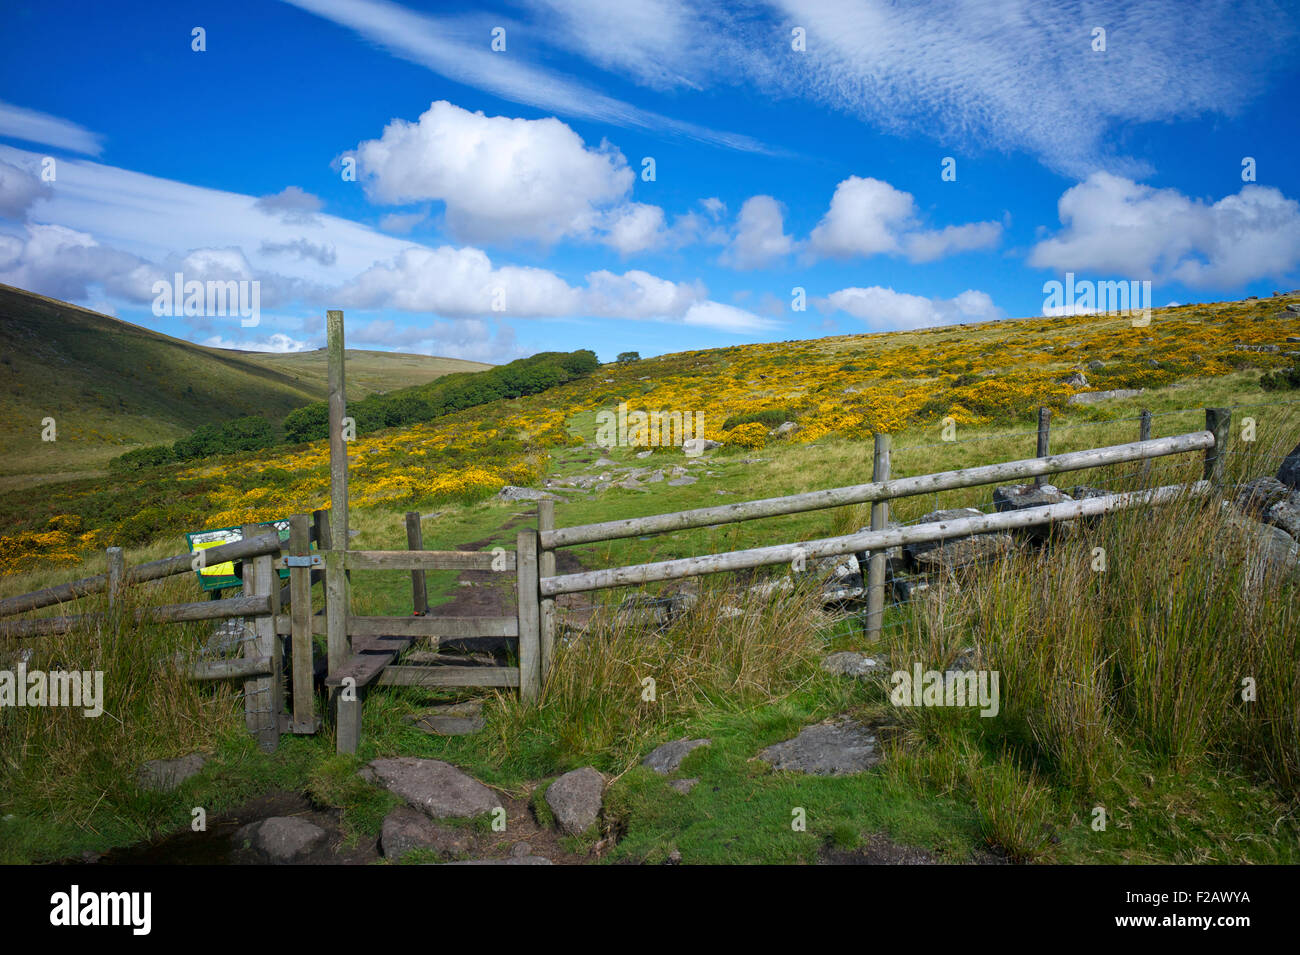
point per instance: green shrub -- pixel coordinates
(772, 417)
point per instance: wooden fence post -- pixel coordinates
(304, 690)
(876, 563)
(415, 541)
(529, 615)
(1044, 440)
(1144, 434)
(347, 700)
(116, 575)
(263, 696)
(546, 568)
(1217, 421)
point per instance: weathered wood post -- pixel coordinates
(1044, 440)
(1217, 422)
(263, 695)
(116, 575)
(1144, 434)
(346, 699)
(415, 541)
(529, 615)
(546, 568)
(304, 691)
(876, 563)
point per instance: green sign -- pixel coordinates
(222, 576)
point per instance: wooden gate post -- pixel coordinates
(876, 563)
(1144, 434)
(415, 541)
(1044, 440)
(546, 568)
(347, 700)
(116, 576)
(529, 616)
(264, 695)
(304, 690)
(1217, 421)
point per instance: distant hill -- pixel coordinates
(367, 371)
(110, 385)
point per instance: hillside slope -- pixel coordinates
(368, 372)
(110, 385)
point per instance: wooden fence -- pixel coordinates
(363, 650)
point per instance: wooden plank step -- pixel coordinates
(369, 657)
(449, 676)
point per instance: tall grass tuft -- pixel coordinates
(732, 648)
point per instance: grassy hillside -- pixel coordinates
(367, 372)
(110, 385)
(1119, 686)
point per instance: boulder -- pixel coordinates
(1019, 497)
(164, 775)
(405, 830)
(666, 758)
(645, 610)
(512, 493)
(1092, 397)
(954, 552)
(786, 427)
(682, 481)
(1285, 514)
(1270, 551)
(1289, 472)
(829, 749)
(1074, 380)
(438, 789)
(851, 663)
(1095, 365)
(281, 839)
(453, 719)
(906, 588)
(1254, 497)
(575, 799)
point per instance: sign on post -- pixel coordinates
(222, 576)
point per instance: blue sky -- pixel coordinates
(500, 205)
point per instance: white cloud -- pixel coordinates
(635, 227)
(19, 189)
(292, 205)
(501, 178)
(760, 237)
(1115, 226)
(637, 294)
(458, 49)
(883, 309)
(34, 127)
(726, 318)
(278, 342)
(870, 217)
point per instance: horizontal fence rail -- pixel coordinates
(875, 491)
(854, 543)
(140, 573)
(428, 560)
(244, 606)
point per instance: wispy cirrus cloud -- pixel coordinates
(32, 126)
(458, 48)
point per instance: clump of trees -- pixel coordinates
(455, 392)
(249, 433)
(627, 357)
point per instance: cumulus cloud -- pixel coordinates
(303, 249)
(870, 217)
(760, 237)
(1115, 226)
(65, 263)
(19, 189)
(292, 205)
(884, 309)
(500, 178)
(635, 227)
